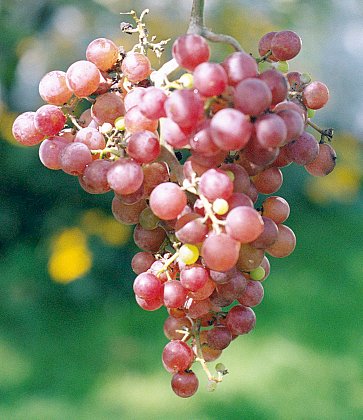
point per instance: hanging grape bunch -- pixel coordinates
(234, 125)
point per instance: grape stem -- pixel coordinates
(264, 57)
(199, 353)
(167, 263)
(209, 214)
(197, 26)
(325, 132)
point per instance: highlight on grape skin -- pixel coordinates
(187, 159)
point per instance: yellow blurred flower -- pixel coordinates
(70, 258)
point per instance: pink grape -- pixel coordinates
(214, 184)
(230, 129)
(219, 337)
(202, 143)
(53, 88)
(184, 384)
(271, 130)
(210, 79)
(127, 214)
(171, 325)
(83, 78)
(25, 131)
(294, 124)
(143, 146)
(239, 66)
(91, 137)
(136, 67)
(277, 84)
(49, 153)
(167, 200)
(303, 150)
(190, 50)
(149, 240)
(125, 176)
(155, 173)
(103, 53)
(241, 180)
(133, 97)
(324, 163)
(94, 178)
(173, 134)
(253, 294)
(252, 96)
(285, 243)
(135, 121)
(152, 103)
(225, 247)
(142, 261)
(150, 304)
(193, 277)
(264, 45)
(49, 120)
(107, 108)
(204, 292)
(239, 199)
(268, 235)
(249, 257)
(285, 45)
(190, 229)
(276, 208)
(74, 158)
(315, 95)
(244, 224)
(240, 320)
(147, 286)
(174, 294)
(268, 181)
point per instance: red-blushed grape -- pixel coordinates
(193, 277)
(94, 178)
(244, 224)
(49, 152)
(147, 286)
(222, 277)
(136, 67)
(83, 78)
(285, 45)
(142, 261)
(133, 197)
(270, 130)
(268, 181)
(149, 240)
(155, 173)
(91, 137)
(210, 79)
(143, 146)
(133, 97)
(105, 84)
(198, 308)
(174, 294)
(25, 131)
(253, 294)
(240, 320)
(167, 200)
(226, 293)
(190, 229)
(136, 121)
(204, 292)
(85, 119)
(202, 143)
(208, 161)
(249, 257)
(149, 304)
(103, 53)
(185, 107)
(49, 120)
(268, 235)
(190, 50)
(276, 208)
(264, 45)
(209, 354)
(252, 96)
(214, 184)
(277, 84)
(282, 159)
(152, 103)
(284, 244)
(157, 268)
(173, 134)
(294, 124)
(184, 384)
(253, 193)
(172, 325)
(239, 199)
(127, 214)
(219, 337)
(258, 156)
(290, 105)
(324, 163)
(53, 88)
(125, 176)
(315, 95)
(107, 108)
(74, 158)
(239, 66)
(241, 181)
(303, 150)
(225, 247)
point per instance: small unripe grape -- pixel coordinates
(220, 206)
(257, 274)
(189, 254)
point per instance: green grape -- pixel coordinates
(189, 254)
(257, 274)
(282, 66)
(148, 220)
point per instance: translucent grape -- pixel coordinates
(277, 84)
(184, 384)
(136, 121)
(167, 200)
(94, 178)
(148, 220)
(239, 66)
(240, 320)
(315, 95)
(253, 294)
(249, 257)
(53, 88)
(190, 50)
(155, 173)
(136, 67)
(264, 45)
(214, 184)
(219, 337)
(125, 176)
(141, 262)
(83, 78)
(276, 208)
(303, 150)
(193, 277)
(127, 214)
(171, 325)
(152, 103)
(143, 146)
(49, 120)
(149, 240)
(285, 45)
(285, 243)
(294, 124)
(244, 224)
(324, 163)
(252, 96)
(49, 153)
(220, 252)
(147, 286)
(270, 130)
(74, 158)
(174, 294)
(107, 108)
(210, 79)
(103, 53)
(91, 137)
(268, 181)
(268, 235)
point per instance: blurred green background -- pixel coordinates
(83, 349)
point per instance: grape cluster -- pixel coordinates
(234, 125)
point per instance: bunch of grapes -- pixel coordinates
(187, 161)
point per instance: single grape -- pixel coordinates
(285, 45)
(268, 235)
(142, 261)
(152, 103)
(188, 254)
(190, 50)
(324, 163)
(49, 120)
(240, 320)
(53, 88)
(244, 224)
(149, 304)
(294, 124)
(149, 240)
(249, 257)
(193, 277)
(125, 176)
(107, 108)
(49, 153)
(91, 137)
(264, 45)
(172, 326)
(220, 252)
(174, 294)
(143, 146)
(103, 53)
(253, 294)
(277, 84)
(303, 150)
(184, 384)
(285, 243)
(252, 96)
(270, 130)
(167, 200)
(210, 79)
(94, 178)
(83, 78)
(239, 66)
(214, 184)
(127, 214)
(315, 95)
(136, 67)
(148, 220)
(276, 208)
(74, 158)
(136, 121)
(268, 181)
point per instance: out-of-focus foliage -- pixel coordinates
(84, 349)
